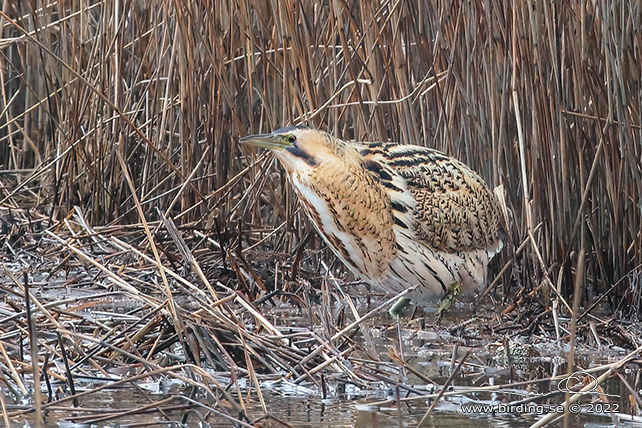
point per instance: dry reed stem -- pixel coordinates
(116, 415)
(443, 389)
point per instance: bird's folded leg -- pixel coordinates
(395, 310)
(454, 291)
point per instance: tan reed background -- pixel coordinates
(542, 97)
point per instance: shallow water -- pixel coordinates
(349, 406)
(428, 347)
(303, 412)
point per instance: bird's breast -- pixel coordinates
(353, 213)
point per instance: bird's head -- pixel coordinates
(300, 148)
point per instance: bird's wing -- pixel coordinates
(450, 205)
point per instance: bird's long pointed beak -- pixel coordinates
(266, 141)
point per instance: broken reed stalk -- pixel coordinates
(574, 399)
(444, 388)
(5, 416)
(65, 360)
(356, 323)
(579, 280)
(14, 373)
(155, 405)
(33, 344)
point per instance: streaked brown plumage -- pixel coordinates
(396, 215)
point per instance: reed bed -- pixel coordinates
(98, 315)
(121, 177)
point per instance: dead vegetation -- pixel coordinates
(121, 179)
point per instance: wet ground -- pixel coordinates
(386, 374)
(339, 403)
(312, 412)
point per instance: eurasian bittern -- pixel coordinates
(396, 215)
